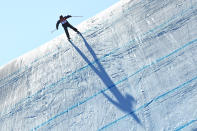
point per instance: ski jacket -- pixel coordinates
(63, 21)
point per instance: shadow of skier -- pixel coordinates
(124, 103)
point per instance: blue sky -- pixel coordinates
(26, 25)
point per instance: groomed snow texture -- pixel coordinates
(133, 68)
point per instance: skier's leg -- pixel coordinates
(67, 34)
(75, 29)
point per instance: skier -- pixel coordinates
(65, 25)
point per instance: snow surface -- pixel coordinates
(134, 68)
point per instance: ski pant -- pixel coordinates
(66, 29)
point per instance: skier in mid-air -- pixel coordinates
(65, 25)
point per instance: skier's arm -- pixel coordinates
(57, 24)
(68, 16)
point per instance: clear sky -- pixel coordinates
(25, 25)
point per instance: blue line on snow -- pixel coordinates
(151, 101)
(185, 125)
(100, 92)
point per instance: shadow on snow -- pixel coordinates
(124, 103)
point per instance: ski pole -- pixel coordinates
(77, 16)
(53, 31)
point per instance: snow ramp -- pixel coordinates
(132, 68)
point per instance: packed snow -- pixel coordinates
(132, 68)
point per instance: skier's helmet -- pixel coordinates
(61, 17)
